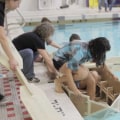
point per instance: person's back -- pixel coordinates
(73, 52)
(29, 40)
(71, 49)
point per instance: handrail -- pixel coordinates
(21, 25)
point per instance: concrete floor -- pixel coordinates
(71, 13)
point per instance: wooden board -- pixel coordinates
(34, 99)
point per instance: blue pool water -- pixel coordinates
(88, 31)
(105, 114)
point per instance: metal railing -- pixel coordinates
(22, 24)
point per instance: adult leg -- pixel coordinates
(111, 4)
(28, 59)
(106, 4)
(99, 4)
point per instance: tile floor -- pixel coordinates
(10, 87)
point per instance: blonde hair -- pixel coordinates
(44, 30)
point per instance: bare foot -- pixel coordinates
(58, 86)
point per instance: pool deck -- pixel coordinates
(10, 85)
(71, 13)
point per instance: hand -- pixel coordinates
(59, 74)
(52, 76)
(78, 93)
(13, 64)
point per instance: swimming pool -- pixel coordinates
(88, 31)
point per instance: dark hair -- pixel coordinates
(98, 48)
(45, 19)
(74, 37)
(44, 30)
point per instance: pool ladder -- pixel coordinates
(15, 24)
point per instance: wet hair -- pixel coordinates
(44, 30)
(74, 37)
(45, 19)
(98, 48)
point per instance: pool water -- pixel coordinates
(117, 74)
(88, 31)
(105, 114)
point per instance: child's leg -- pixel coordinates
(96, 76)
(81, 76)
(91, 82)
(87, 80)
(91, 86)
(68, 79)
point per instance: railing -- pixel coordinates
(22, 24)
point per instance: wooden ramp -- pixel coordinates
(32, 96)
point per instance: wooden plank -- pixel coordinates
(32, 96)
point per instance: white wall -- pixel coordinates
(31, 5)
(28, 5)
(57, 3)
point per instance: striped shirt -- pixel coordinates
(74, 54)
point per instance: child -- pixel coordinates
(74, 37)
(70, 58)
